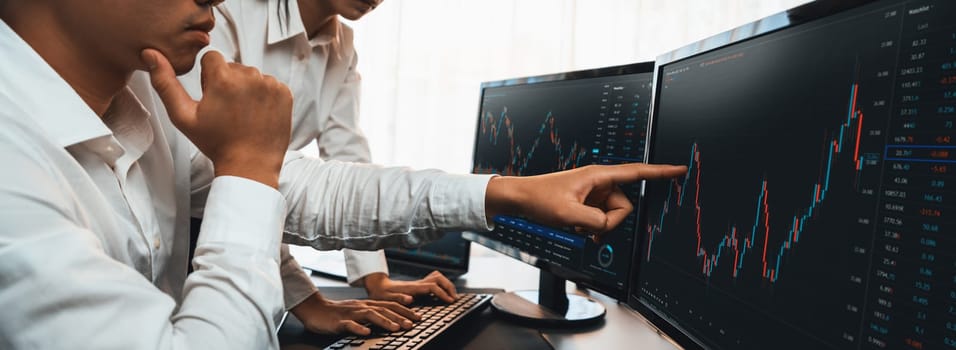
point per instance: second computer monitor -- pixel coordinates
(448, 255)
(544, 124)
(814, 211)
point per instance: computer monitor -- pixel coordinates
(543, 124)
(448, 255)
(815, 213)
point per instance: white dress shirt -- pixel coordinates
(95, 221)
(95, 227)
(321, 72)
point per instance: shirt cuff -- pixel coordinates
(363, 263)
(243, 212)
(459, 201)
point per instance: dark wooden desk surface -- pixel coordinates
(622, 327)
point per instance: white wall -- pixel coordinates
(422, 61)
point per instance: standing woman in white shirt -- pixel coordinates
(304, 45)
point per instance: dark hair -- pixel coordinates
(284, 4)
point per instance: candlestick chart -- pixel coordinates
(734, 245)
(815, 204)
(540, 127)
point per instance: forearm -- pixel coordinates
(503, 196)
(296, 284)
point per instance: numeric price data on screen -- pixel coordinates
(543, 127)
(815, 212)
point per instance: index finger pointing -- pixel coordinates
(627, 173)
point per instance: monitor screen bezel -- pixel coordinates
(791, 18)
(562, 272)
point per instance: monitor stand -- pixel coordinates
(549, 306)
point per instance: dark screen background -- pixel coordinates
(539, 128)
(757, 123)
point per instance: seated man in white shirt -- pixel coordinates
(99, 187)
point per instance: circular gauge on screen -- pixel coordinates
(605, 256)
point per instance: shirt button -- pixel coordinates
(301, 57)
(156, 242)
(109, 149)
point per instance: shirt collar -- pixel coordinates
(50, 101)
(129, 121)
(282, 27)
(43, 95)
(284, 20)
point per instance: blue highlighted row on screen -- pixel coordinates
(574, 240)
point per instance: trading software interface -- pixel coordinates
(544, 127)
(816, 211)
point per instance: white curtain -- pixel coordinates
(422, 61)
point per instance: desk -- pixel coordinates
(622, 327)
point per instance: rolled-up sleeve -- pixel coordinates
(361, 263)
(334, 205)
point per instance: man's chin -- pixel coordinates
(183, 58)
(183, 63)
(184, 67)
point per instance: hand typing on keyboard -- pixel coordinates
(436, 317)
(326, 316)
(380, 287)
(427, 300)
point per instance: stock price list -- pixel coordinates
(911, 299)
(621, 129)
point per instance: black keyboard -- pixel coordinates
(435, 320)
